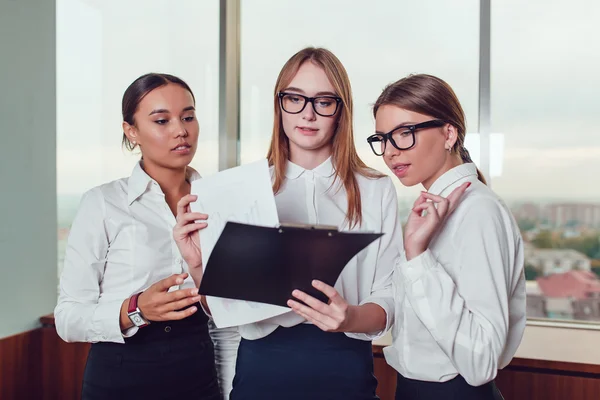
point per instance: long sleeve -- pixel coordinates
(390, 245)
(468, 314)
(226, 342)
(79, 315)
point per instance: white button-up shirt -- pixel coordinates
(311, 197)
(460, 306)
(120, 243)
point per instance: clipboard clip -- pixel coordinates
(330, 228)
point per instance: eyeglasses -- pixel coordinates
(401, 137)
(325, 106)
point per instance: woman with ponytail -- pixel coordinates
(459, 286)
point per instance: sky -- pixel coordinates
(544, 91)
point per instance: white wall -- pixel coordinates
(27, 163)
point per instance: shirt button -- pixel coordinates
(167, 329)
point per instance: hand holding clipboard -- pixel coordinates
(265, 265)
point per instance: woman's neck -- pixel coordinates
(309, 159)
(451, 162)
(171, 181)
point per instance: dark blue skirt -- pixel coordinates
(303, 362)
(164, 360)
(454, 389)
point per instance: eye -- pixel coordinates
(161, 121)
(189, 119)
(325, 103)
(293, 99)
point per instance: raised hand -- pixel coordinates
(158, 304)
(421, 227)
(187, 237)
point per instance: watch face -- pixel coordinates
(137, 319)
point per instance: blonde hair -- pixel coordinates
(345, 159)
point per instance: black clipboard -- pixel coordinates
(265, 265)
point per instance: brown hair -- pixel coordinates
(429, 95)
(138, 90)
(345, 159)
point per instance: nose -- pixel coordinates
(180, 129)
(390, 151)
(309, 113)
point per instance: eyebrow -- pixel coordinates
(324, 93)
(165, 111)
(403, 124)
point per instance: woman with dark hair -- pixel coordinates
(125, 288)
(459, 287)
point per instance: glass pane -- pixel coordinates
(102, 46)
(378, 44)
(545, 85)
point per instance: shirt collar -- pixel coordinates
(139, 181)
(452, 176)
(325, 169)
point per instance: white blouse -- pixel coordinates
(120, 243)
(460, 306)
(311, 197)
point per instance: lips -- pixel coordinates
(305, 130)
(182, 147)
(400, 170)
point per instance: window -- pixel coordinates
(378, 44)
(545, 103)
(102, 46)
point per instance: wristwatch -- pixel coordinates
(134, 313)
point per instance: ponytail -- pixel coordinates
(466, 158)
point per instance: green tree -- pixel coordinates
(544, 240)
(526, 224)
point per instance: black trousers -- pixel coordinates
(164, 360)
(304, 363)
(454, 389)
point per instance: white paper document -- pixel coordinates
(242, 194)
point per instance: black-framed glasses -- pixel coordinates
(401, 137)
(293, 103)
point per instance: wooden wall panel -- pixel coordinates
(63, 365)
(39, 365)
(20, 366)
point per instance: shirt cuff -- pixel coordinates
(413, 270)
(107, 327)
(130, 332)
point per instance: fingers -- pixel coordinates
(183, 203)
(181, 294)
(192, 216)
(432, 212)
(172, 280)
(421, 199)
(329, 291)
(177, 315)
(311, 301)
(312, 320)
(181, 304)
(456, 194)
(187, 229)
(443, 203)
(310, 314)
